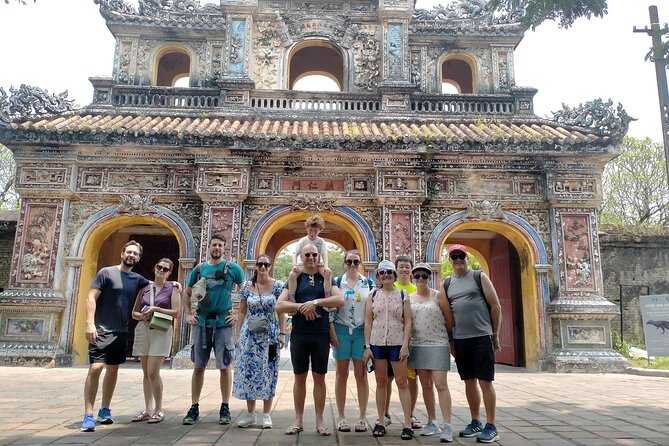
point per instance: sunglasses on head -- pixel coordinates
(383, 272)
(421, 276)
(458, 256)
(310, 254)
(350, 262)
(162, 269)
(261, 264)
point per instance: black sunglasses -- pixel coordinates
(350, 262)
(218, 275)
(421, 276)
(458, 256)
(383, 272)
(310, 254)
(162, 269)
(261, 264)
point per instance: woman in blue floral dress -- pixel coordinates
(259, 339)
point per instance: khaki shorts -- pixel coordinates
(151, 342)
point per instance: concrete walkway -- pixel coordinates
(44, 406)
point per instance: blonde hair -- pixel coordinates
(315, 220)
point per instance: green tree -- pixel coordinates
(564, 11)
(283, 265)
(335, 260)
(446, 268)
(9, 199)
(635, 191)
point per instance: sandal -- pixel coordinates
(142, 416)
(407, 434)
(361, 426)
(324, 431)
(156, 418)
(342, 426)
(415, 424)
(293, 430)
(379, 430)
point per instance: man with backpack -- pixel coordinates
(213, 324)
(473, 326)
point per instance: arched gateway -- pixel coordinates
(393, 165)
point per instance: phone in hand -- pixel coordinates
(369, 365)
(145, 308)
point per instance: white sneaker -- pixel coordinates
(246, 419)
(430, 428)
(266, 421)
(446, 433)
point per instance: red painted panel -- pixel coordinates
(501, 276)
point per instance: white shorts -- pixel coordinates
(150, 342)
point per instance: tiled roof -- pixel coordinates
(519, 131)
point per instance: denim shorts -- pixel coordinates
(351, 345)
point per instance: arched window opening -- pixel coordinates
(182, 82)
(172, 66)
(458, 73)
(314, 66)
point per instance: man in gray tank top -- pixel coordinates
(473, 324)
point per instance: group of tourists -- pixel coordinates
(399, 328)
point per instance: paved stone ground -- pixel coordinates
(44, 406)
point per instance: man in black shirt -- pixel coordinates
(310, 338)
(110, 298)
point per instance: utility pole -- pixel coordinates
(656, 32)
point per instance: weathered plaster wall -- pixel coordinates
(633, 265)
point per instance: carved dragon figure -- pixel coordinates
(29, 101)
(596, 114)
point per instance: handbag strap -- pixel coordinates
(151, 294)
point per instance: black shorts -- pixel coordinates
(475, 358)
(306, 348)
(108, 349)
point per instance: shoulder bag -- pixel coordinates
(159, 321)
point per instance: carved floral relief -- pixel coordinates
(36, 234)
(224, 219)
(579, 259)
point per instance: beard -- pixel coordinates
(216, 255)
(128, 261)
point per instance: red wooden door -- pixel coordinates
(501, 275)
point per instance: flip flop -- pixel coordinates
(142, 416)
(293, 430)
(342, 426)
(324, 431)
(156, 418)
(361, 426)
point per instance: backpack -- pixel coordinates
(477, 279)
(205, 299)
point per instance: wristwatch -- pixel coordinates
(367, 346)
(315, 302)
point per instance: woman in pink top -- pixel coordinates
(387, 334)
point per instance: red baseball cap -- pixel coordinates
(460, 248)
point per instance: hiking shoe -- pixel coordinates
(472, 430)
(430, 428)
(192, 415)
(224, 414)
(88, 425)
(488, 435)
(446, 433)
(104, 416)
(266, 421)
(246, 419)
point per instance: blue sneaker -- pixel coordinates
(224, 414)
(488, 435)
(472, 430)
(88, 425)
(104, 416)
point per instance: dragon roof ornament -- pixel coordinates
(475, 12)
(183, 12)
(598, 115)
(28, 102)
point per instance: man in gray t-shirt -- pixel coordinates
(108, 304)
(473, 320)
